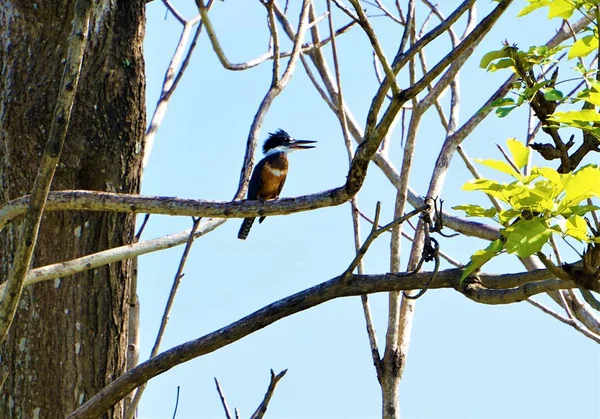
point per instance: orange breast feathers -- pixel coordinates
(272, 178)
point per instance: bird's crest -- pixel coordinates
(277, 138)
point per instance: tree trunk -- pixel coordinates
(69, 337)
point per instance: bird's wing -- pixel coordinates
(255, 180)
(280, 187)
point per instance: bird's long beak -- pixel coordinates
(302, 144)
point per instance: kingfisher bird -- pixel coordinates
(269, 174)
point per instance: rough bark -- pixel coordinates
(69, 337)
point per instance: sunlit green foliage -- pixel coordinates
(538, 205)
(524, 62)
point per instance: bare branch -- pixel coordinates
(275, 89)
(557, 271)
(167, 311)
(467, 44)
(565, 320)
(508, 159)
(172, 77)
(223, 400)
(174, 11)
(404, 57)
(71, 267)
(375, 355)
(353, 205)
(262, 408)
(376, 232)
(338, 80)
(363, 21)
(393, 357)
(456, 223)
(176, 403)
(476, 175)
(528, 284)
(133, 340)
(129, 203)
(590, 299)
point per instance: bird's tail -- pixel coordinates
(245, 228)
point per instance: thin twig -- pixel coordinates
(594, 215)
(376, 232)
(262, 408)
(338, 80)
(372, 335)
(275, 89)
(167, 311)
(382, 7)
(556, 271)
(269, 55)
(142, 227)
(590, 299)
(116, 254)
(176, 403)
(555, 250)
(223, 400)
(353, 205)
(566, 305)
(508, 159)
(403, 57)
(363, 21)
(173, 75)
(275, 38)
(174, 11)
(565, 320)
(407, 236)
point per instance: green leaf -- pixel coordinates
(578, 210)
(583, 46)
(524, 199)
(479, 258)
(506, 216)
(553, 94)
(502, 112)
(501, 64)
(561, 8)
(519, 152)
(503, 102)
(476, 210)
(526, 237)
(498, 165)
(534, 5)
(531, 91)
(590, 96)
(538, 51)
(490, 187)
(547, 191)
(493, 56)
(582, 184)
(549, 173)
(576, 227)
(484, 185)
(571, 117)
(556, 8)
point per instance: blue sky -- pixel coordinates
(465, 360)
